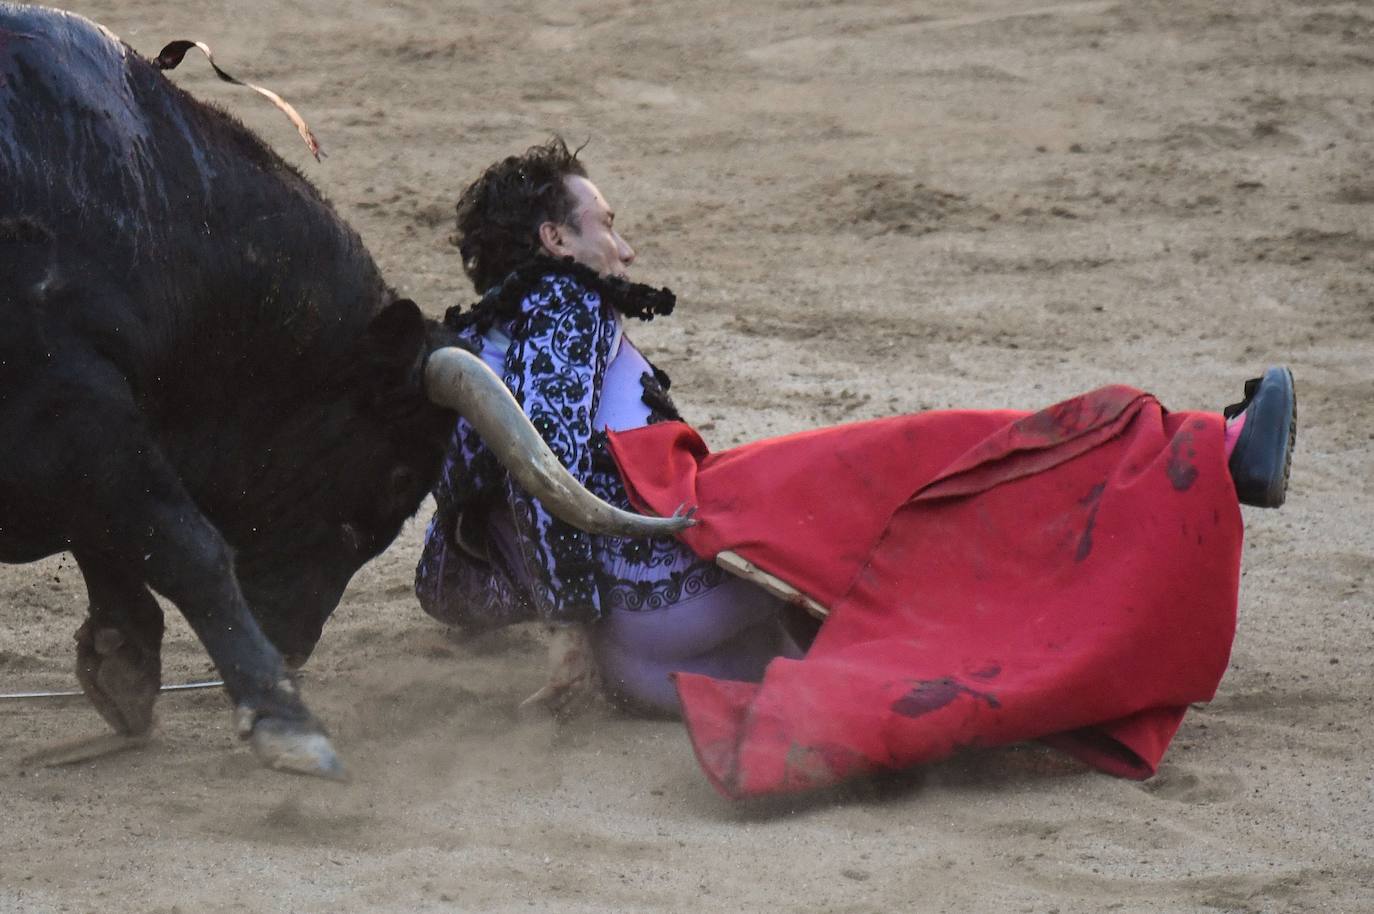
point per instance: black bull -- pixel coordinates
(206, 387)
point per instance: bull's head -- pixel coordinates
(379, 453)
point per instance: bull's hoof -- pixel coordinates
(286, 746)
(120, 678)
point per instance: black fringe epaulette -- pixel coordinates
(502, 302)
(656, 397)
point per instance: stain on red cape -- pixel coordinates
(992, 576)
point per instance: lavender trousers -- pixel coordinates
(731, 631)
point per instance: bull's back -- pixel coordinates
(81, 136)
(182, 230)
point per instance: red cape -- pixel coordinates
(991, 576)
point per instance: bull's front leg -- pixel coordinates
(188, 561)
(125, 504)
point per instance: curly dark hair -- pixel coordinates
(499, 214)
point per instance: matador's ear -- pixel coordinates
(551, 239)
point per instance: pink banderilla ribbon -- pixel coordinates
(172, 55)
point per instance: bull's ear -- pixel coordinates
(394, 345)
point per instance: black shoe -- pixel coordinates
(1264, 453)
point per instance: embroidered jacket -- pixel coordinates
(561, 323)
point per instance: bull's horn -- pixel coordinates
(460, 380)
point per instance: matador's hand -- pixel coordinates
(572, 672)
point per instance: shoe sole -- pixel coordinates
(1279, 492)
(1292, 439)
(1268, 488)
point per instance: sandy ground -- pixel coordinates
(865, 208)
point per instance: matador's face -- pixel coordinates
(590, 237)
